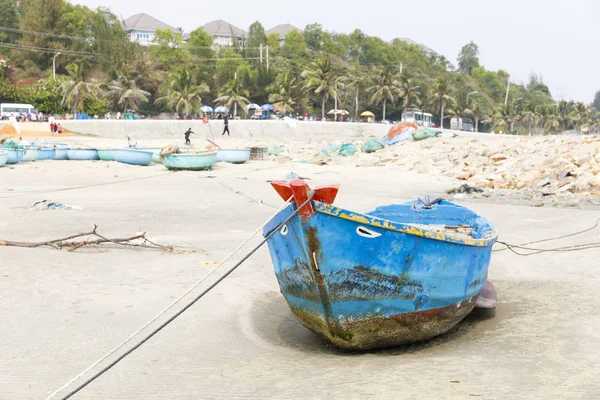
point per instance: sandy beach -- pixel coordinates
(62, 311)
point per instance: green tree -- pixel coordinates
(167, 50)
(200, 44)
(441, 96)
(386, 87)
(233, 94)
(503, 118)
(110, 40)
(409, 91)
(75, 88)
(322, 79)
(314, 36)
(181, 93)
(468, 58)
(9, 16)
(125, 94)
(286, 93)
(596, 102)
(256, 38)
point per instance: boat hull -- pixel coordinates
(234, 156)
(14, 155)
(30, 155)
(190, 162)
(364, 282)
(106, 155)
(3, 157)
(46, 154)
(155, 153)
(82, 154)
(133, 157)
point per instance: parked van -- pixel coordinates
(14, 110)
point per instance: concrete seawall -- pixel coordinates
(161, 129)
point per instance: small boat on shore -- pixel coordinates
(199, 161)
(46, 153)
(155, 153)
(3, 157)
(234, 156)
(82, 154)
(395, 275)
(30, 154)
(133, 156)
(60, 151)
(14, 155)
(106, 154)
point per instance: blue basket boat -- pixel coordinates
(235, 156)
(106, 154)
(155, 153)
(396, 275)
(3, 157)
(190, 161)
(14, 155)
(82, 154)
(46, 153)
(60, 151)
(133, 156)
(30, 154)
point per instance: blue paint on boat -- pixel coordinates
(60, 152)
(190, 161)
(133, 156)
(82, 154)
(155, 153)
(235, 156)
(14, 155)
(106, 154)
(3, 157)
(46, 154)
(30, 154)
(398, 274)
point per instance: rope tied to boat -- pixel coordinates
(187, 306)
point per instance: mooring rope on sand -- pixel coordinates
(185, 294)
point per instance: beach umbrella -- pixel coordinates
(207, 109)
(343, 112)
(367, 114)
(221, 110)
(333, 112)
(253, 106)
(267, 107)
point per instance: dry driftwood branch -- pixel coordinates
(90, 239)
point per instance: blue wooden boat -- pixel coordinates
(396, 275)
(82, 154)
(60, 152)
(235, 156)
(14, 155)
(133, 156)
(106, 154)
(190, 161)
(3, 157)
(30, 154)
(46, 153)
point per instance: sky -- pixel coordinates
(555, 38)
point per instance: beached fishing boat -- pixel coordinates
(14, 155)
(106, 154)
(190, 161)
(234, 156)
(82, 154)
(60, 152)
(3, 157)
(399, 274)
(133, 156)
(30, 154)
(155, 153)
(46, 153)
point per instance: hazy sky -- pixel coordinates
(556, 38)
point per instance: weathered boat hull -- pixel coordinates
(234, 156)
(61, 152)
(82, 154)
(14, 155)
(363, 282)
(155, 153)
(106, 154)
(30, 154)
(133, 157)
(46, 154)
(190, 161)
(3, 157)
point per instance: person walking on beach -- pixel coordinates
(226, 123)
(187, 137)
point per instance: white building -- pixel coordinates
(282, 30)
(141, 27)
(224, 34)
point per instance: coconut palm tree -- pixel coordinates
(322, 79)
(441, 97)
(477, 112)
(125, 94)
(503, 118)
(528, 116)
(409, 92)
(458, 110)
(286, 93)
(386, 87)
(353, 81)
(181, 94)
(233, 94)
(75, 88)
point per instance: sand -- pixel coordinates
(62, 311)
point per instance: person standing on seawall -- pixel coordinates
(226, 127)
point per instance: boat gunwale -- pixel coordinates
(409, 229)
(209, 153)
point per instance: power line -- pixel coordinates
(52, 35)
(46, 50)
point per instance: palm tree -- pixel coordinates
(503, 118)
(477, 112)
(409, 92)
(321, 78)
(353, 81)
(457, 111)
(441, 97)
(528, 116)
(75, 88)
(125, 93)
(181, 94)
(386, 87)
(286, 93)
(578, 116)
(233, 94)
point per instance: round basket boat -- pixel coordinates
(14, 155)
(190, 161)
(106, 154)
(82, 154)
(30, 154)
(133, 156)
(46, 153)
(234, 156)
(3, 157)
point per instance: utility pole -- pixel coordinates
(401, 68)
(261, 58)
(267, 57)
(54, 66)
(507, 90)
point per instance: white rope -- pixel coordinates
(160, 314)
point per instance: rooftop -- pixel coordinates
(283, 29)
(222, 28)
(145, 22)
